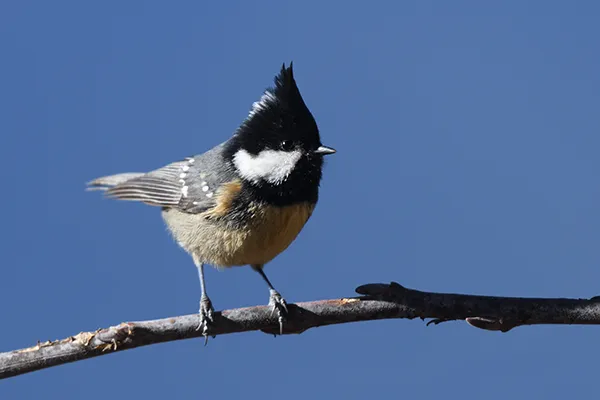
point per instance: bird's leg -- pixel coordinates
(206, 308)
(275, 300)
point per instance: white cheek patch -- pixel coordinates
(273, 166)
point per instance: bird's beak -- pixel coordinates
(324, 150)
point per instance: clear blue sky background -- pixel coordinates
(467, 138)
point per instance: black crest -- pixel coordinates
(279, 115)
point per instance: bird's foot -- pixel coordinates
(205, 317)
(279, 305)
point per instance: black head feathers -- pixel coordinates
(279, 116)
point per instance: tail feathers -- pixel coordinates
(157, 188)
(106, 182)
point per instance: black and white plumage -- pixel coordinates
(244, 201)
(188, 185)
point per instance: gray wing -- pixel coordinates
(188, 185)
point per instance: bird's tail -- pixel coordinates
(106, 182)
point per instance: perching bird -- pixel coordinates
(244, 201)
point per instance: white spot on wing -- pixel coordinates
(184, 191)
(209, 194)
(182, 175)
(185, 168)
(205, 188)
(273, 166)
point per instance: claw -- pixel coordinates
(279, 305)
(205, 317)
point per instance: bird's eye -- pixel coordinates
(287, 145)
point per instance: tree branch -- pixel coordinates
(378, 301)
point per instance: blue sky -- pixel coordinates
(467, 137)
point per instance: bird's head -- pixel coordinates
(277, 150)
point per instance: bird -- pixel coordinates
(244, 201)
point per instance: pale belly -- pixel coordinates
(269, 232)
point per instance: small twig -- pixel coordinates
(379, 301)
(488, 312)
